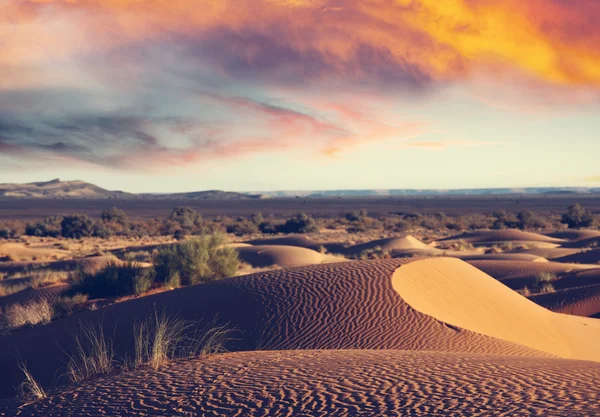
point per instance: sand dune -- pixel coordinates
(338, 383)
(456, 293)
(550, 253)
(523, 269)
(585, 257)
(283, 256)
(492, 236)
(49, 294)
(350, 305)
(580, 301)
(575, 235)
(298, 240)
(17, 252)
(392, 243)
(506, 257)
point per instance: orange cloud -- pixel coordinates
(554, 40)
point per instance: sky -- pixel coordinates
(256, 95)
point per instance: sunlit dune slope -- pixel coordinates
(461, 295)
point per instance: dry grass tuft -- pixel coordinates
(162, 337)
(92, 354)
(32, 313)
(30, 389)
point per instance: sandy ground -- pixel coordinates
(339, 383)
(422, 333)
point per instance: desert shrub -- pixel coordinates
(49, 227)
(77, 226)
(504, 220)
(243, 226)
(186, 218)
(256, 219)
(268, 227)
(356, 216)
(66, 306)
(115, 279)
(301, 223)
(375, 253)
(201, 259)
(546, 277)
(4, 233)
(577, 217)
(528, 220)
(114, 215)
(101, 230)
(29, 314)
(92, 353)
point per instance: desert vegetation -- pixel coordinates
(201, 259)
(184, 221)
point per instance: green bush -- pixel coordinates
(115, 279)
(49, 227)
(77, 226)
(577, 217)
(301, 223)
(201, 259)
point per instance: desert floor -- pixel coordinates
(485, 323)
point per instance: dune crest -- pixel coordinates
(458, 294)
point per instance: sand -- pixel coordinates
(340, 384)
(20, 252)
(585, 257)
(579, 301)
(350, 305)
(297, 240)
(456, 293)
(493, 236)
(282, 256)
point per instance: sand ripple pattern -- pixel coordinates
(339, 383)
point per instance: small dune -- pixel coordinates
(494, 236)
(283, 256)
(19, 252)
(337, 383)
(506, 257)
(576, 235)
(525, 269)
(550, 253)
(393, 243)
(458, 294)
(585, 257)
(298, 240)
(579, 301)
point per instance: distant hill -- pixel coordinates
(59, 189)
(84, 190)
(205, 195)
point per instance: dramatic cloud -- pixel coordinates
(119, 83)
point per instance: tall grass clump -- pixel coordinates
(203, 259)
(115, 279)
(30, 389)
(92, 353)
(162, 337)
